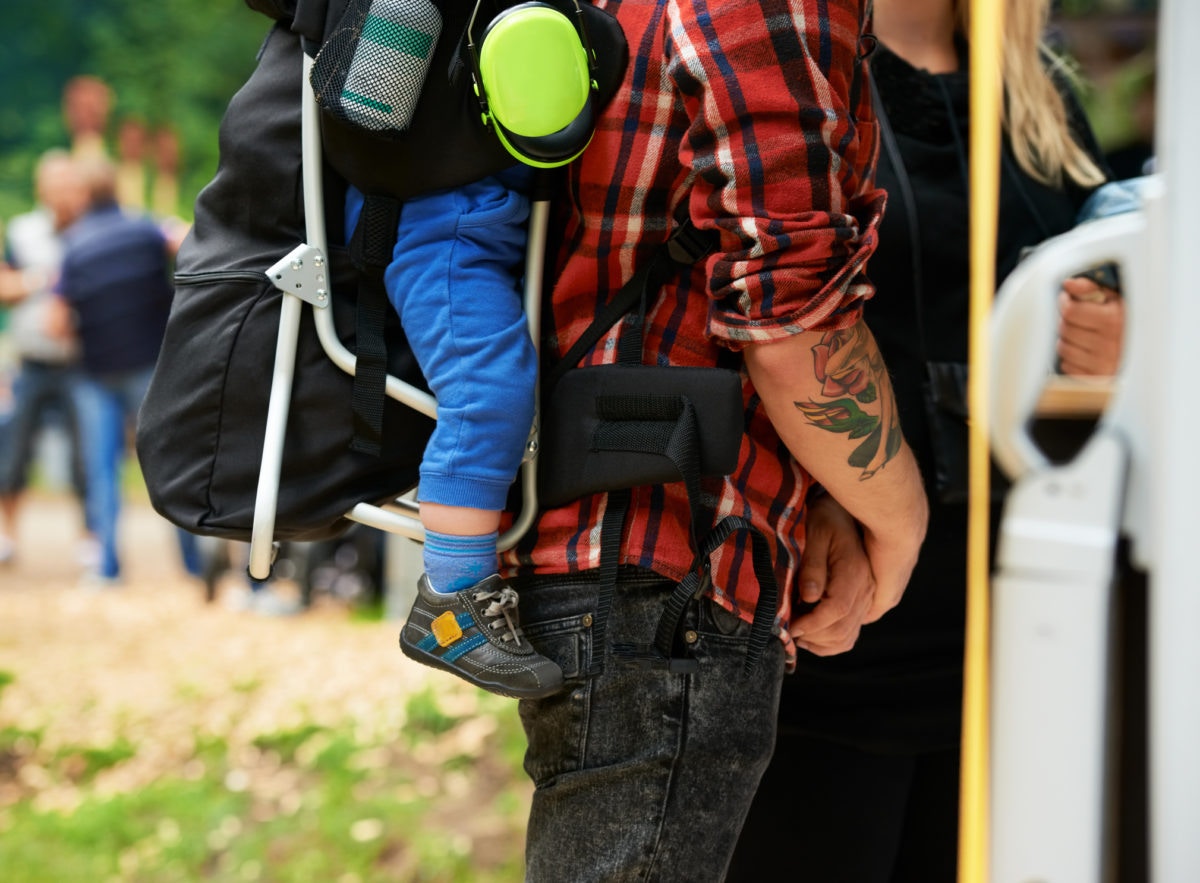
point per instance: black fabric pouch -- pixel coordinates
(945, 395)
(604, 426)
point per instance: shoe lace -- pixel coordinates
(502, 612)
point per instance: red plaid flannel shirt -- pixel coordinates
(741, 111)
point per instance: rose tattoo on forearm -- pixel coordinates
(852, 373)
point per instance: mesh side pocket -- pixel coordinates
(371, 70)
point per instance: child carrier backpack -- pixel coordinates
(356, 413)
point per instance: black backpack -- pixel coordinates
(201, 427)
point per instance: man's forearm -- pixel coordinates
(831, 401)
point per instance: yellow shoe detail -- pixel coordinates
(446, 629)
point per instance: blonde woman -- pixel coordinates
(863, 786)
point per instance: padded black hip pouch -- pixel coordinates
(612, 427)
(607, 427)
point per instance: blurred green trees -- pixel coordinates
(175, 64)
(171, 65)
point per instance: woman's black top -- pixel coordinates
(900, 688)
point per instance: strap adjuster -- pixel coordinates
(645, 657)
(688, 243)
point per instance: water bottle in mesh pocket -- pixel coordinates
(371, 69)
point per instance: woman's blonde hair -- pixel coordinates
(1034, 114)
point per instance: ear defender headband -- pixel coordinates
(534, 76)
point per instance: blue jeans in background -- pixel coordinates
(106, 408)
(641, 774)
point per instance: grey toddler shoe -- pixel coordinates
(475, 634)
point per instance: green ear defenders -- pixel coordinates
(534, 77)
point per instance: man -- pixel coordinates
(753, 120)
(115, 279)
(42, 387)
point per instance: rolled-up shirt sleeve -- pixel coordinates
(782, 146)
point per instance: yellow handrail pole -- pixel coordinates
(985, 33)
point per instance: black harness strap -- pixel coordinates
(371, 249)
(632, 423)
(612, 525)
(665, 425)
(694, 584)
(685, 246)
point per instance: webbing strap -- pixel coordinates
(663, 425)
(666, 425)
(371, 249)
(686, 246)
(693, 585)
(612, 525)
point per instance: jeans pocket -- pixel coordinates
(566, 640)
(555, 727)
(720, 633)
(715, 619)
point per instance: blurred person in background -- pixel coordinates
(864, 783)
(47, 352)
(115, 283)
(86, 106)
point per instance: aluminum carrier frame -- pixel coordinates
(303, 279)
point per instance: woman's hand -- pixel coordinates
(1091, 329)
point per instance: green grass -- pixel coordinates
(158, 833)
(82, 763)
(426, 716)
(286, 743)
(311, 803)
(368, 611)
(16, 743)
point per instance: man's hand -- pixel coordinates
(12, 284)
(1091, 327)
(174, 231)
(835, 575)
(829, 396)
(59, 320)
(893, 556)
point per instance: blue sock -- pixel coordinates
(454, 563)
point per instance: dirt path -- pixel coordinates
(152, 661)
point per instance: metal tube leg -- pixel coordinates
(262, 547)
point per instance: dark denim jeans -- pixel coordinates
(39, 391)
(641, 774)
